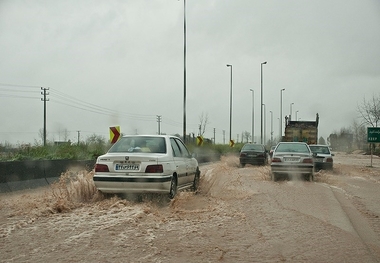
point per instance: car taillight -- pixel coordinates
(307, 160)
(243, 154)
(157, 168)
(329, 160)
(276, 160)
(101, 168)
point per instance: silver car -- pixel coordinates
(292, 159)
(147, 164)
(323, 158)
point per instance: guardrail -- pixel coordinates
(20, 175)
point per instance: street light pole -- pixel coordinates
(265, 126)
(253, 115)
(297, 115)
(262, 97)
(230, 102)
(290, 115)
(184, 71)
(281, 113)
(271, 127)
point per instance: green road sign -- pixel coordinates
(373, 134)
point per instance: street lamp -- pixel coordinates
(297, 115)
(253, 115)
(184, 71)
(262, 100)
(265, 126)
(281, 113)
(290, 115)
(271, 127)
(230, 102)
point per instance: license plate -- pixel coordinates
(127, 167)
(289, 159)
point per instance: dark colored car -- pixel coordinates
(253, 154)
(323, 158)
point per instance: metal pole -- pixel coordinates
(265, 124)
(271, 128)
(262, 98)
(281, 113)
(253, 115)
(184, 71)
(230, 102)
(290, 115)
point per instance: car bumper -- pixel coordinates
(323, 165)
(257, 160)
(133, 184)
(292, 169)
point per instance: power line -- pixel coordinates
(20, 86)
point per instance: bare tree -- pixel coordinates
(203, 119)
(246, 136)
(369, 111)
(360, 135)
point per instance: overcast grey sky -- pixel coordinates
(120, 63)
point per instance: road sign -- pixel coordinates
(232, 143)
(373, 134)
(114, 134)
(199, 140)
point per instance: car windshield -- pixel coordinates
(320, 149)
(292, 147)
(147, 144)
(253, 147)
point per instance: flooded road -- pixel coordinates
(238, 215)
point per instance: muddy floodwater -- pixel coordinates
(238, 215)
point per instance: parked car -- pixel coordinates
(323, 158)
(147, 164)
(292, 159)
(253, 154)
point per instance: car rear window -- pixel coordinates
(292, 147)
(252, 147)
(145, 144)
(320, 149)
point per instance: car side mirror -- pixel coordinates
(194, 155)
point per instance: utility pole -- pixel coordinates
(159, 124)
(184, 71)
(78, 136)
(214, 136)
(44, 99)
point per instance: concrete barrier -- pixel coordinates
(20, 175)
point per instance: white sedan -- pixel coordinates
(147, 164)
(292, 159)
